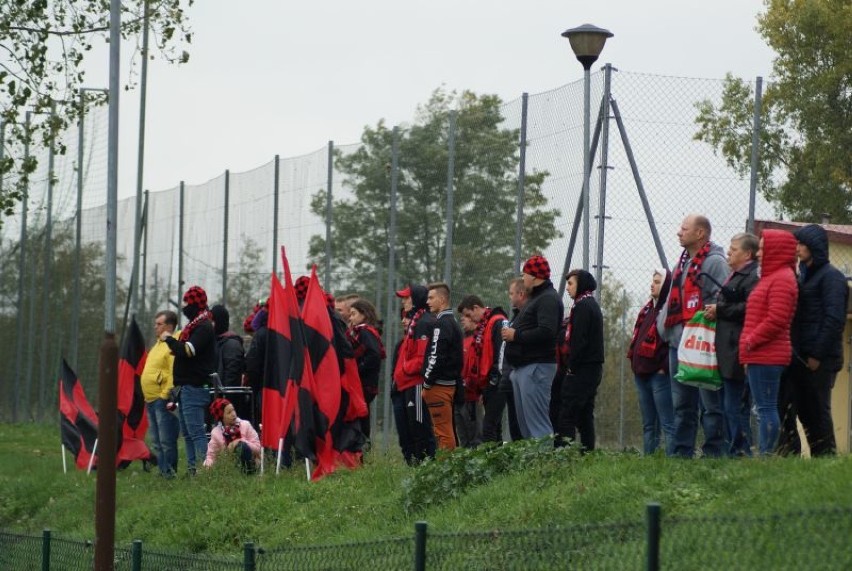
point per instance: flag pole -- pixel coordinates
(261, 460)
(64, 463)
(308, 469)
(92, 457)
(278, 460)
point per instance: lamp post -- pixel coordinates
(587, 42)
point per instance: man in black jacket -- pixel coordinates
(195, 361)
(817, 336)
(442, 365)
(582, 352)
(230, 355)
(531, 349)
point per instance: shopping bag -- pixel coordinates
(696, 354)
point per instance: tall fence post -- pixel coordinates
(394, 179)
(140, 164)
(755, 151)
(249, 557)
(420, 528)
(181, 198)
(22, 244)
(329, 218)
(143, 281)
(46, 278)
(225, 242)
(45, 550)
(136, 555)
(78, 236)
(276, 197)
(603, 178)
(652, 518)
(522, 179)
(451, 167)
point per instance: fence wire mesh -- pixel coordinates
(474, 164)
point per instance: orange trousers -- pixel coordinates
(439, 402)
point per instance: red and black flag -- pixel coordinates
(78, 421)
(131, 403)
(326, 371)
(283, 366)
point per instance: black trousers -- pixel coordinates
(577, 406)
(806, 394)
(494, 401)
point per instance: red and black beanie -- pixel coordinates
(537, 267)
(196, 296)
(217, 408)
(301, 287)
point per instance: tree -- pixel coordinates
(248, 285)
(806, 138)
(485, 183)
(44, 45)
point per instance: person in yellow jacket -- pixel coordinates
(157, 382)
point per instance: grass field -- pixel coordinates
(219, 509)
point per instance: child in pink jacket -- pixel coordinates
(232, 434)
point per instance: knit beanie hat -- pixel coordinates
(537, 267)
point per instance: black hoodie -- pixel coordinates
(586, 345)
(821, 310)
(230, 354)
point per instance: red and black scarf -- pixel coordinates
(651, 340)
(563, 348)
(354, 333)
(232, 432)
(187, 331)
(690, 289)
(479, 344)
(414, 319)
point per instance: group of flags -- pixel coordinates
(312, 398)
(79, 421)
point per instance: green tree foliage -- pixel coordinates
(485, 180)
(44, 45)
(806, 141)
(59, 325)
(249, 284)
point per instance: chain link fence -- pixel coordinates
(462, 194)
(813, 539)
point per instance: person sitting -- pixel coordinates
(232, 434)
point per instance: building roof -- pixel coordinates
(837, 233)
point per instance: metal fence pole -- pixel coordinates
(652, 518)
(329, 217)
(140, 164)
(143, 282)
(45, 550)
(522, 177)
(276, 195)
(755, 151)
(621, 372)
(46, 278)
(78, 236)
(136, 555)
(587, 164)
(225, 242)
(394, 179)
(22, 244)
(249, 556)
(420, 529)
(604, 172)
(181, 202)
(451, 167)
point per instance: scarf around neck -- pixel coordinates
(689, 290)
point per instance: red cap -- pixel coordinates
(404, 292)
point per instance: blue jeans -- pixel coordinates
(737, 417)
(686, 401)
(193, 404)
(764, 381)
(531, 385)
(655, 404)
(164, 434)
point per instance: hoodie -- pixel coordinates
(765, 339)
(230, 355)
(586, 343)
(648, 352)
(409, 366)
(821, 310)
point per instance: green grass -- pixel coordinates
(220, 509)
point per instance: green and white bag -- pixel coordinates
(696, 354)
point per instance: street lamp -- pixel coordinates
(587, 42)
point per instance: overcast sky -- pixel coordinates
(270, 77)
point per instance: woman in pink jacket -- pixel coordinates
(765, 347)
(232, 434)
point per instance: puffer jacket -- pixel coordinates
(821, 311)
(765, 339)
